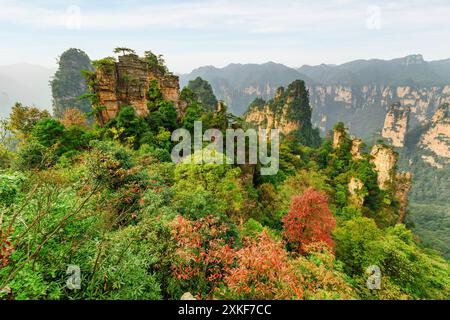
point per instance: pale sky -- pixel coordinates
(194, 33)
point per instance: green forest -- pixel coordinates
(105, 196)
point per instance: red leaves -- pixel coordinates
(262, 268)
(309, 220)
(6, 249)
(263, 271)
(203, 251)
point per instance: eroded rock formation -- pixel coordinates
(363, 108)
(436, 140)
(355, 187)
(126, 83)
(356, 149)
(396, 125)
(384, 159)
(288, 111)
(269, 119)
(339, 135)
(402, 188)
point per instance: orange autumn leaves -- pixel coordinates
(263, 271)
(211, 264)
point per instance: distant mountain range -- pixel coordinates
(239, 84)
(409, 70)
(358, 93)
(26, 83)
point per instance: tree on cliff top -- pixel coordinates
(68, 84)
(124, 50)
(156, 62)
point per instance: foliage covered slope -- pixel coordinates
(109, 200)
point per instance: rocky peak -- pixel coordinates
(339, 134)
(385, 160)
(396, 124)
(126, 83)
(356, 149)
(288, 111)
(402, 188)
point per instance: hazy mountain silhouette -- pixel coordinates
(25, 83)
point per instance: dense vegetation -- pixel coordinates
(109, 199)
(429, 196)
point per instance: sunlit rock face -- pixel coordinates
(436, 140)
(396, 125)
(363, 108)
(269, 119)
(355, 187)
(338, 137)
(356, 149)
(126, 83)
(287, 111)
(384, 159)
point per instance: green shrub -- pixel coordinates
(5, 157)
(9, 188)
(48, 131)
(33, 155)
(73, 139)
(160, 154)
(108, 163)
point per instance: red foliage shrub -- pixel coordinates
(204, 251)
(6, 249)
(309, 220)
(263, 271)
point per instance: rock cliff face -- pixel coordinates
(358, 93)
(402, 189)
(354, 188)
(283, 111)
(430, 139)
(363, 108)
(126, 83)
(270, 119)
(356, 149)
(436, 140)
(384, 159)
(339, 135)
(396, 125)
